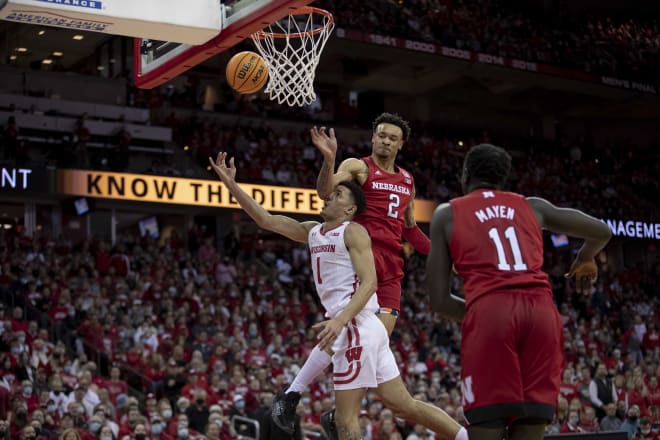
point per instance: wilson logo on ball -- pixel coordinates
(247, 72)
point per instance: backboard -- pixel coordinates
(157, 62)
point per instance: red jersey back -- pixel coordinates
(388, 195)
(496, 244)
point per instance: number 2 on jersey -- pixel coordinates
(395, 201)
(502, 263)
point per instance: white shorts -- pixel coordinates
(363, 358)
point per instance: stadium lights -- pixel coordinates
(21, 49)
(47, 61)
(460, 143)
(41, 32)
(12, 57)
(78, 37)
(186, 148)
(58, 54)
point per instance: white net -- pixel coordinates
(291, 48)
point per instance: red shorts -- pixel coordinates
(511, 357)
(389, 272)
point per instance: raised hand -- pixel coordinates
(326, 143)
(224, 172)
(586, 274)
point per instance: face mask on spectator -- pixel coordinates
(105, 438)
(16, 350)
(94, 426)
(646, 431)
(67, 369)
(573, 420)
(200, 401)
(52, 407)
(81, 410)
(240, 404)
(306, 400)
(27, 390)
(156, 428)
(167, 413)
(182, 432)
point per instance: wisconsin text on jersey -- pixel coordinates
(495, 211)
(323, 248)
(390, 187)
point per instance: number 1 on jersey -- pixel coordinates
(510, 234)
(318, 270)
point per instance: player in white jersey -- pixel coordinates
(345, 277)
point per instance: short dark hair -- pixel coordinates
(358, 195)
(488, 163)
(394, 119)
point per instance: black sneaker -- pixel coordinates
(328, 424)
(283, 411)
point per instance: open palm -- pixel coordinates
(326, 143)
(224, 172)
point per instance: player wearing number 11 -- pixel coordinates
(511, 349)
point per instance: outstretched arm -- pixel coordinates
(594, 232)
(359, 247)
(327, 179)
(281, 224)
(438, 267)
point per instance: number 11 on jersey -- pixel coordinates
(502, 263)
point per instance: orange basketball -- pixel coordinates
(247, 72)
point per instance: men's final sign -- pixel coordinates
(182, 191)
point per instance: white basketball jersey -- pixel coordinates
(334, 276)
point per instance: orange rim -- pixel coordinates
(305, 10)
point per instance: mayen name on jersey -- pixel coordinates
(495, 211)
(323, 248)
(390, 187)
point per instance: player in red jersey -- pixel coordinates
(511, 333)
(390, 193)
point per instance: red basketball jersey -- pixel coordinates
(388, 195)
(496, 244)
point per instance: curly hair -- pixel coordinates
(488, 163)
(394, 119)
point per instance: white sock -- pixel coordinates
(316, 362)
(461, 435)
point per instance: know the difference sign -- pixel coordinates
(211, 193)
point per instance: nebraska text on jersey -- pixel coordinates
(323, 248)
(390, 187)
(495, 211)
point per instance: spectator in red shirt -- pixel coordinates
(645, 430)
(572, 424)
(589, 422)
(568, 389)
(29, 396)
(115, 385)
(17, 321)
(651, 341)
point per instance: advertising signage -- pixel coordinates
(198, 192)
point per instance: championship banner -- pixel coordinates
(197, 192)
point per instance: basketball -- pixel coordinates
(247, 72)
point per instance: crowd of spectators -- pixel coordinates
(595, 178)
(600, 44)
(170, 339)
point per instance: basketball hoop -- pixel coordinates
(292, 47)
